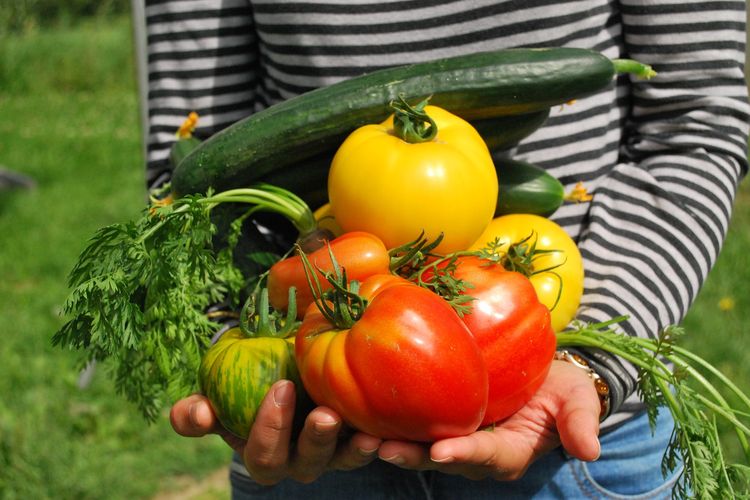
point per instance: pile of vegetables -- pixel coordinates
(430, 257)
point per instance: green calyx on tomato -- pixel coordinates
(340, 301)
(411, 123)
(523, 256)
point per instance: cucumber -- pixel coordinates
(181, 148)
(504, 132)
(525, 188)
(481, 85)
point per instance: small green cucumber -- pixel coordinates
(526, 189)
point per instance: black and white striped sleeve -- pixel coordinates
(203, 57)
(658, 220)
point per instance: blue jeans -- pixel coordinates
(629, 467)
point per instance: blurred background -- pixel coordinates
(71, 161)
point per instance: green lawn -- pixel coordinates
(70, 121)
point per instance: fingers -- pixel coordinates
(193, 417)
(316, 445)
(578, 424)
(359, 450)
(406, 454)
(267, 451)
(320, 447)
(501, 454)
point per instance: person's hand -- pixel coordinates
(267, 453)
(565, 410)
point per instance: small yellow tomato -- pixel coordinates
(394, 189)
(560, 287)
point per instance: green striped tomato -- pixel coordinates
(236, 373)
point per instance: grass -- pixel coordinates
(73, 128)
(75, 131)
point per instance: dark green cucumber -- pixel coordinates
(504, 132)
(526, 189)
(481, 85)
(308, 178)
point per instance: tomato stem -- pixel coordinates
(411, 123)
(521, 256)
(258, 320)
(341, 305)
(405, 259)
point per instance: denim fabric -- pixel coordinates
(629, 468)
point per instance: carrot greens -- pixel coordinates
(141, 290)
(676, 379)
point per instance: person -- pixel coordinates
(662, 158)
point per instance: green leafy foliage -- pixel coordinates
(140, 291)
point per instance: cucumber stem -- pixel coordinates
(638, 69)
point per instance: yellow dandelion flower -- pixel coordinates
(726, 303)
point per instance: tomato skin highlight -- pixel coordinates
(360, 253)
(513, 331)
(566, 260)
(407, 369)
(382, 184)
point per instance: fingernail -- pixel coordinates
(444, 460)
(325, 426)
(395, 460)
(283, 395)
(599, 452)
(367, 452)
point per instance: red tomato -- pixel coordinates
(407, 369)
(513, 331)
(361, 254)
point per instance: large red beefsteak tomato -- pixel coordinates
(408, 368)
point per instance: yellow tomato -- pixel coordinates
(394, 189)
(563, 259)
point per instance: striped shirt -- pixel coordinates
(663, 157)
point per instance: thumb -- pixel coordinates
(578, 422)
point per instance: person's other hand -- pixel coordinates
(267, 453)
(565, 410)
